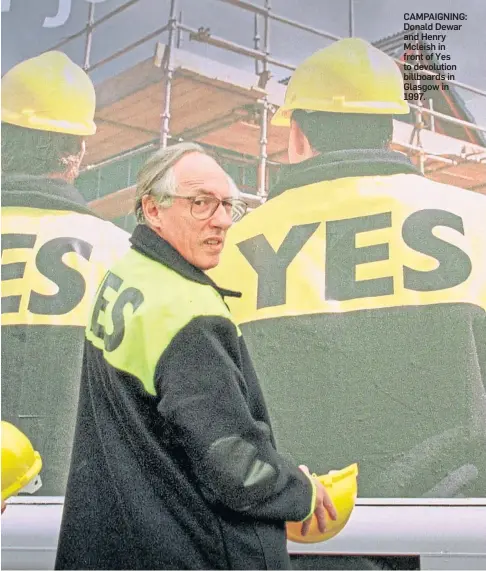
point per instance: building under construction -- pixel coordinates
(178, 95)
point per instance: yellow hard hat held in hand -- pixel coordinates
(349, 76)
(342, 487)
(21, 464)
(49, 93)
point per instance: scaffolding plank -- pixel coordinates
(127, 106)
(150, 97)
(127, 83)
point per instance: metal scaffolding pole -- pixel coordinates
(89, 36)
(204, 35)
(261, 10)
(95, 24)
(432, 118)
(351, 18)
(264, 76)
(417, 131)
(168, 74)
(449, 119)
(429, 155)
(120, 157)
(256, 42)
(179, 32)
(130, 47)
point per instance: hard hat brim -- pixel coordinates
(282, 116)
(20, 483)
(43, 124)
(332, 530)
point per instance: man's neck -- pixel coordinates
(62, 176)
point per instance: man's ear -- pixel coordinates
(72, 163)
(151, 211)
(299, 147)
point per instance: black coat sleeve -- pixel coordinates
(207, 404)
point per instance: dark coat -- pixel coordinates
(174, 464)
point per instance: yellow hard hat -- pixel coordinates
(349, 76)
(21, 464)
(342, 486)
(49, 93)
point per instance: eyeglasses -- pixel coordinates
(204, 206)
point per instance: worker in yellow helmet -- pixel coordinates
(363, 291)
(55, 251)
(21, 464)
(48, 106)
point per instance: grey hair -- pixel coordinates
(234, 190)
(157, 178)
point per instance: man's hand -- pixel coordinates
(323, 505)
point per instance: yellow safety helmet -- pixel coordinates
(21, 464)
(49, 93)
(342, 486)
(349, 76)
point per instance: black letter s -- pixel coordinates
(454, 264)
(70, 281)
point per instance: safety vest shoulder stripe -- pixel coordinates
(140, 308)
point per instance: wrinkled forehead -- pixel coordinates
(198, 173)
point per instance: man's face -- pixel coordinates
(200, 242)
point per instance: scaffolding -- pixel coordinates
(255, 106)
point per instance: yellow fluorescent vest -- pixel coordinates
(52, 264)
(134, 319)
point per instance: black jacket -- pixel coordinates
(174, 464)
(55, 251)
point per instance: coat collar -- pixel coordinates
(42, 192)
(150, 244)
(342, 164)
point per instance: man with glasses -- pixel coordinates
(174, 463)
